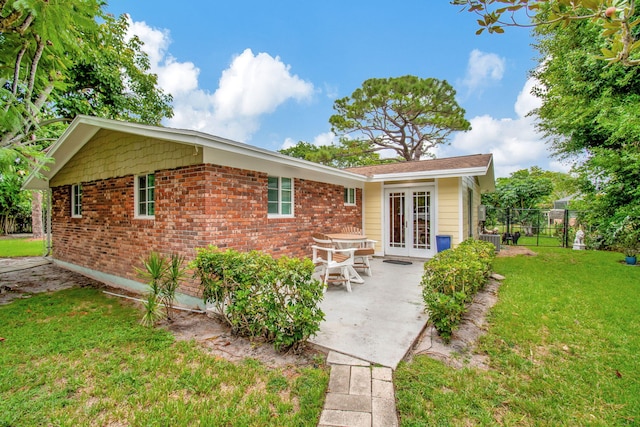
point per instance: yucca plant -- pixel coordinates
(152, 310)
(163, 275)
(153, 271)
(173, 275)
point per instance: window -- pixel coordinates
(76, 200)
(145, 195)
(280, 196)
(349, 196)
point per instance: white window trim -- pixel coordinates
(136, 188)
(349, 190)
(73, 201)
(293, 204)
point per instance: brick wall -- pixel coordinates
(195, 206)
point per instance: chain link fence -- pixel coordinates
(533, 227)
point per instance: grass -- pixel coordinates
(10, 247)
(563, 345)
(79, 358)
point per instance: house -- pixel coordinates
(121, 190)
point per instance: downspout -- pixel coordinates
(48, 233)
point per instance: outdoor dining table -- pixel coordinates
(346, 241)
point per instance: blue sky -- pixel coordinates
(267, 73)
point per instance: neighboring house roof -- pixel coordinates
(230, 153)
(480, 165)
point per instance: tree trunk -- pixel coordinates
(36, 214)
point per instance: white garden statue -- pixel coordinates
(578, 243)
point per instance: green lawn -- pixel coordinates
(20, 247)
(79, 358)
(564, 349)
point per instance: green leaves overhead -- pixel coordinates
(406, 114)
(61, 59)
(615, 18)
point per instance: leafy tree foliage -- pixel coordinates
(348, 153)
(586, 104)
(523, 189)
(408, 115)
(590, 114)
(615, 20)
(61, 59)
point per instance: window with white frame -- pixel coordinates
(76, 200)
(349, 196)
(280, 196)
(145, 196)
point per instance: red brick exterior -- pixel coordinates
(196, 206)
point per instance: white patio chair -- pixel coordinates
(335, 263)
(364, 252)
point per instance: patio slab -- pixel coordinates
(379, 320)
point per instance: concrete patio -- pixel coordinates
(379, 320)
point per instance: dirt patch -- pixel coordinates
(460, 351)
(23, 277)
(214, 336)
(506, 251)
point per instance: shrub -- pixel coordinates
(259, 296)
(451, 280)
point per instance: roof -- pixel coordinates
(225, 151)
(240, 155)
(480, 165)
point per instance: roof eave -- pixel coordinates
(71, 142)
(449, 173)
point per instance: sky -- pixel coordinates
(268, 73)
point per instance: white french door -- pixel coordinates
(408, 222)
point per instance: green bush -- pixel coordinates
(451, 280)
(259, 296)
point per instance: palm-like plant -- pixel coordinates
(163, 277)
(174, 273)
(153, 271)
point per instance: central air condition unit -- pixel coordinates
(482, 213)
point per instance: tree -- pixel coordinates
(348, 153)
(64, 59)
(522, 191)
(585, 103)
(61, 59)
(616, 20)
(408, 115)
(590, 114)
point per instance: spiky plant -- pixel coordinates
(174, 273)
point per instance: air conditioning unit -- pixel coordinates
(482, 213)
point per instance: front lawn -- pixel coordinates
(17, 247)
(564, 348)
(79, 358)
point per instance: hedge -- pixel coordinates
(259, 296)
(450, 281)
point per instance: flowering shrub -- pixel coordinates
(259, 296)
(450, 281)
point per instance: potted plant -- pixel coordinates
(629, 243)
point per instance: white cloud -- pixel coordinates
(257, 84)
(526, 101)
(482, 69)
(515, 143)
(326, 138)
(252, 86)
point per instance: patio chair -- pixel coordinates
(364, 252)
(335, 263)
